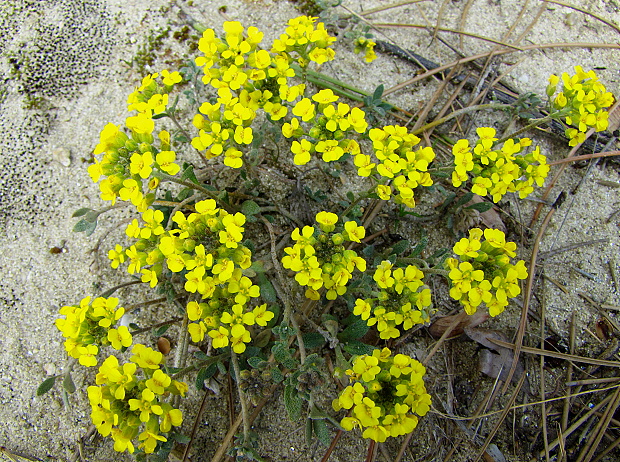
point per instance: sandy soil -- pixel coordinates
(65, 71)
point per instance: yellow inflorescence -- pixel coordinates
(401, 301)
(327, 124)
(248, 78)
(396, 163)
(585, 100)
(386, 395)
(122, 401)
(319, 256)
(89, 325)
(495, 172)
(205, 247)
(483, 272)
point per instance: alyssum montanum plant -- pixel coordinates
(192, 248)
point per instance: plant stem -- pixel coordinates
(189, 184)
(460, 112)
(172, 115)
(354, 203)
(244, 409)
(181, 356)
(199, 365)
(533, 124)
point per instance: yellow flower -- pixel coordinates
(384, 191)
(354, 232)
(165, 161)
(302, 150)
(304, 109)
(119, 337)
(327, 221)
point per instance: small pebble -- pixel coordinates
(62, 156)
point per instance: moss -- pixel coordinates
(146, 53)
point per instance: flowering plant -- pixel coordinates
(195, 239)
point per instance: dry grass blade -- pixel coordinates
(587, 452)
(462, 20)
(563, 164)
(432, 101)
(439, 16)
(388, 7)
(543, 410)
(498, 52)
(455, 322)
(575, 426)
(554, 354)
(528, 289)
(586, 12)
(390, 25)
(585, 157)
(503, 416)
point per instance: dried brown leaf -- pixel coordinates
(440, 325)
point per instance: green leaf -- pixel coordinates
(181, 439)
(221, 367)
(292, 402)
(200, 378)
(263, 339)
(283, 355)
(400, 246)
(81, 212)
(313, 340)
(321, 431)
(276, 375)
(350, 196)
(369, 251)
(46, 385)
(464, 199)
(378, 92)
(420, 246)
(480, 206)
(355, 347)
(250, 208)
(159, 331)
(188, 173)
(316, 413)
(266, 289)
(204, 374)
(84, 226)
(67, 383)
(257, 362)
(308, 431)
(354, 332)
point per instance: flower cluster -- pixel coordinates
(91, 324)
(396, 163)
(205, 248)
(385, 394)
(496, 172)
(331, 124)
(151, 97)
(483, 272)
(367, 46)
(121, 402)
(128, 161)
(226, 321)
(585, 100)
(402, 300)
(311, 42)
(319, 256)
(248, 78)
